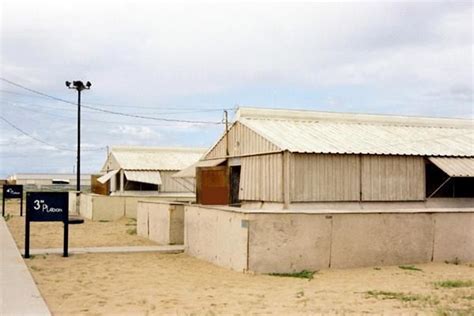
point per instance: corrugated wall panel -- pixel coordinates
(242, 141)
(324, 178)
(170, 184)
(393, 178)
(261, 178)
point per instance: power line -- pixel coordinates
(17, 103)
(42, 141)
(175, 108)
(110, 111)
(26, 107)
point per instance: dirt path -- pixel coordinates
(155, 284)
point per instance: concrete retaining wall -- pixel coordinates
(268, 242)
(112, 207)
(162, 222)
(453, 237)
(360, 240)
(86, 206)
(101, 207)
(131, 204)
(288, 242)
(72, 202)
(217, 236)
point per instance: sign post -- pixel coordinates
(12, 191)
(47, 207)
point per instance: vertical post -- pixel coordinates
(78, 180)
(3, 204)
(226, 133)
(27, 236)
(78, 175)
(66, 234)
(360, 178)
(286, 179)
(21, 204)
(122, 180)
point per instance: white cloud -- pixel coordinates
(134, 132)
(147, 48)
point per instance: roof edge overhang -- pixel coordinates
(310, 115)
(455, 167)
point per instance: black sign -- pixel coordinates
(46, 207)
(12, 191)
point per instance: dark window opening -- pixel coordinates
(452, 187)
(234, 185)
(463, 187)
(140, 186)
(60, 181)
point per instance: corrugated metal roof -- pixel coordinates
(153, 158)
(190, 172)
(338, 133)
(152, 177)
(455, 167)
(106, 177)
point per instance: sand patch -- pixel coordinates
(150, 283)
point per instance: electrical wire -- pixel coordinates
(178, 109)
(42, 141)
(109, 111)
(26, 107)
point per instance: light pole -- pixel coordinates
(79, 86)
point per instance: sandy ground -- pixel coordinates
(148, 283)
(89, 234)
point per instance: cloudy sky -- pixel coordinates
(189, 61)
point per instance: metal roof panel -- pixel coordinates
(362, 134)
(455, 167)
(152, 158)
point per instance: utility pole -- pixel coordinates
(79, 86)
(226, 118)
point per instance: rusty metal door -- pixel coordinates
(212, 185)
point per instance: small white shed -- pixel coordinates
(148, 170)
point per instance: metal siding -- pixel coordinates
(324, 178)
(392, 178)
(242, 141)
(261, 178)
(170, 184)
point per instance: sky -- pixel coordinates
(188, 61)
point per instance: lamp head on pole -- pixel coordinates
(78, 85)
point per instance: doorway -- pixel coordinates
(234, 185)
